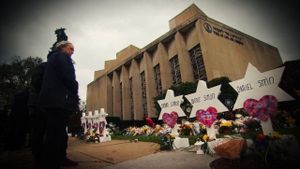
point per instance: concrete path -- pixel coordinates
(167, 160)
(116, 154)
(91, 155)
(123, 154)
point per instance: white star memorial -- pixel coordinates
(170, 104)
(256, 85)
(204, 98)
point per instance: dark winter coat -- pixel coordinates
(60, 88)
(35, 86)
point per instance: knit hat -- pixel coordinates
(62, 43)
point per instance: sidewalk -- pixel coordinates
(92, 155)
(119, 154)
(177, 159)
(122, 154)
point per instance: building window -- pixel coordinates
(144, 94)
(131, 99)
(175, 70)
(121, 101)
(157, 79)
(113, 100)
(197, 63)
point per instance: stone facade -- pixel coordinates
(196, 47)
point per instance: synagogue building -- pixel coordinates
(196, 47)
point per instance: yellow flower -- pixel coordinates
(144, 129)
(226, 124)
(202, 126)
(291, 121)
(172, 136)
(205, 137)
(275, 134)
(190, 126)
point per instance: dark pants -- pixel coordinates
(17, 129)
(38, 127)
(55, 138)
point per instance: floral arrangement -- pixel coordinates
(204, 147)
(234, 128)
(275, 149)
(92, 136)
(185, 129)
(250, 125)
(167, 140)
(144, 130)
(283, 119)
(225, 126)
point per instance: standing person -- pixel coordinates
(18, 120)
(58, 99)
(37, 117)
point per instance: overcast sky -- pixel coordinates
(101, 28)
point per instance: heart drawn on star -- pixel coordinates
(208, 116)
(101, 126)
(95, 125)
(170, 119)
(261, 109)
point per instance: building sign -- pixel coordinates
(223, 34)
(204, 98)
(255, 85)
(207, 27)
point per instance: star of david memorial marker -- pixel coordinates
(170, 111)
(259, 92)
(171, 104)
(206, 105)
